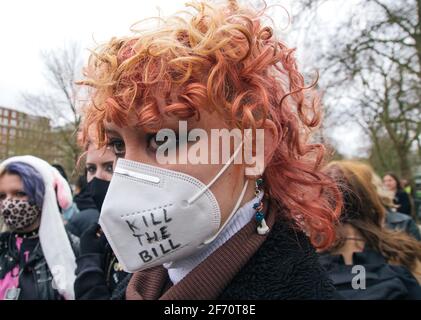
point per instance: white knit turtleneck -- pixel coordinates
(179, 269)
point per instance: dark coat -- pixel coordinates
(285, 267)
(382, 280)
(97, 276)
(403, 202)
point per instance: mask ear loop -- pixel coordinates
(224, 168)
(237, 205)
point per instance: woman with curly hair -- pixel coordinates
(202, 229)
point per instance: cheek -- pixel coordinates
(89, 177)
(390, 183)
(107, 175)
(15, 197)
(227, 188)
(24, 198)
(203, 172)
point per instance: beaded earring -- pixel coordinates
(262, 227)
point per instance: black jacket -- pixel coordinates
(285, 267)
(402, 200)
(35, 280)
(97, 276)
(382, 280)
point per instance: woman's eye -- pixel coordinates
(117, 146)
(109, 168)
(20, 194)
(91, 169)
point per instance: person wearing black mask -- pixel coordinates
(92, 194)
(98, 272)
(98, 173)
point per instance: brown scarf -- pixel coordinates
(208, 280)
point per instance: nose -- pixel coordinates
(102, 174)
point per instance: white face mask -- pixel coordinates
(153, 216)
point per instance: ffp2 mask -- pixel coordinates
(153, 215)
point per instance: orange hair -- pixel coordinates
(221, 58)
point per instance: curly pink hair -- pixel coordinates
(221, 58)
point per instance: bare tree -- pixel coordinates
(62, 99)
(371, 70)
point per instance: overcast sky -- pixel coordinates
(28, 27)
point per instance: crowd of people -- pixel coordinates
(135, 228)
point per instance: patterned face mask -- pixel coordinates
(19, 214)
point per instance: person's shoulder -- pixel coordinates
(409, 281)
(331, 261)
(383, 280)
(402, 271)
(287, 264)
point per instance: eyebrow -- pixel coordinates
(13, 191)
(111, 132)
